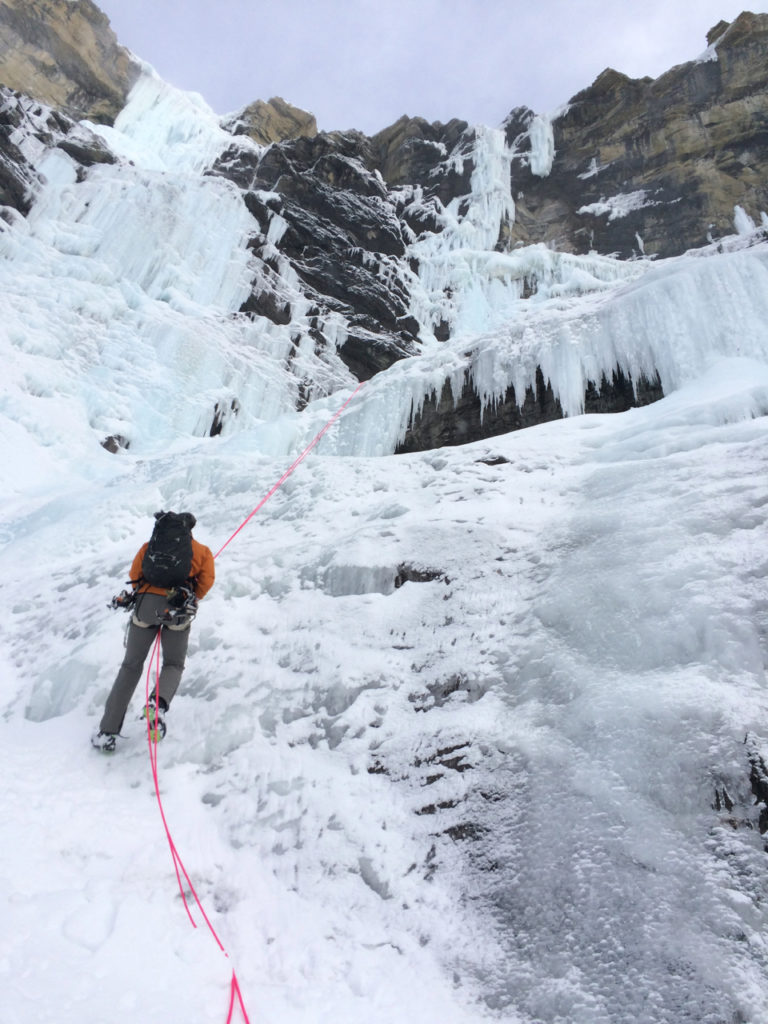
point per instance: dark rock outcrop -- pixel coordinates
(441, 421)
(411, 151)
(115, 443)
(758, 778)
(19, 115)
(341, 235)
(17, 177)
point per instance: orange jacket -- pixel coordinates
(203, 572)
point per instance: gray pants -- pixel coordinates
(141, 636)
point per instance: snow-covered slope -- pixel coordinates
(462, 733)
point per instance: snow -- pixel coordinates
(616, 206)
(488, 793)
(593, 169)
(708, 55)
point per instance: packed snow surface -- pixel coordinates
(462, 734)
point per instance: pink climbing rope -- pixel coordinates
(178, 863)
(235, 994)
(290, 469)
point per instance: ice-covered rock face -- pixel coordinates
(341, 256)
(29, 131)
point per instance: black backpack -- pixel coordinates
(168, 559)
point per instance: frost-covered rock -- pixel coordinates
(38, 143)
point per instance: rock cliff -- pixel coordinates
(653, 166)
(64, 54)
(273, 121)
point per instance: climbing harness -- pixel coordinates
(181, 608)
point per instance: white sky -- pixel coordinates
(362, 64)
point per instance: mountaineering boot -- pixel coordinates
(106, 742)
(154, 716)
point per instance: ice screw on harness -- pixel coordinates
(181, 607)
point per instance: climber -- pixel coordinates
(169, 575)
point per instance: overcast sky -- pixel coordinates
(363, 63)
